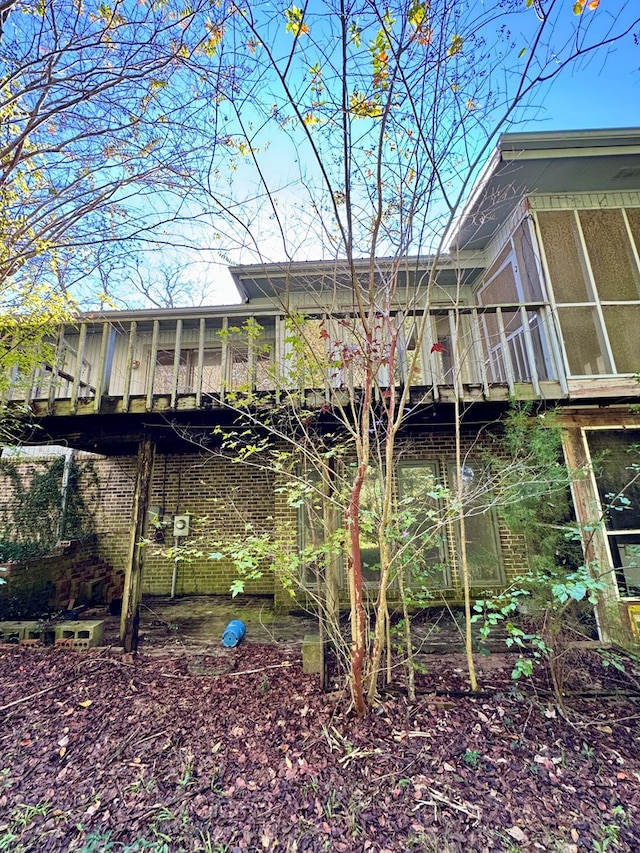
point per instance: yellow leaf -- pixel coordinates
(456, 45)
(86, 704)
(593, 4)
(417, 14)
(295, 24)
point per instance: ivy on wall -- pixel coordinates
(30, 520)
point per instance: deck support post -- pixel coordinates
(130, 617)
(588, 513)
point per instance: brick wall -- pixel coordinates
(223, 498)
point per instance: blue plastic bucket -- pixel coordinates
(233, 633)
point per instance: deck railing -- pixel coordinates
(189, 361)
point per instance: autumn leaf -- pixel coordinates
(295, 24)
(456, 45)
(417, 14)
(86, 703)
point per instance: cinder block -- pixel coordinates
(14, 632)
(312, 654)
(92, 632)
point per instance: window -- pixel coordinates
(481, 528)
(425, 532)
(424, 527)
(616, 459)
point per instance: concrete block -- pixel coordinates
(13, 632)
(91, 631)
(312, 654)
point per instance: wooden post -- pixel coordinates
(130, 617)
(587, 508)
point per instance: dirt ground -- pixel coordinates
(193, 747)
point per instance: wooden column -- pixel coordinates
(130, 617)
(586, 504)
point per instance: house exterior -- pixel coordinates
(538, 300)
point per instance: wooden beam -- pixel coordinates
(130, 618)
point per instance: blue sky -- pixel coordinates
(604, 92)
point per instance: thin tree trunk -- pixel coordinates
(464, 561)
(408, 642)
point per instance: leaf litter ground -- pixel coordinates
(238, 750)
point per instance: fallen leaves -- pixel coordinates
(261, 771)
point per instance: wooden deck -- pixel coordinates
(180, 361)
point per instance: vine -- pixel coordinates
(31, 523)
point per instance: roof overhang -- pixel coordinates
(576, 161)
(276, 281)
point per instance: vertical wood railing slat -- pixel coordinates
(531, 355)
(224, 359)
(128, 370)
(200, 368)
(175, 377)
(428, 370)
(153, 357)
(77, 376)
(553, 341)
(479, 353)
(102, 366)
(506, 355)
(252, 377)
(55, 368)
(456, 363)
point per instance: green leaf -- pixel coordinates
(236, 588)
(578, 591)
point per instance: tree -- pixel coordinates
(101, 110)
(386, 115)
